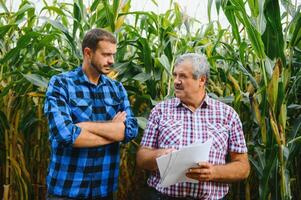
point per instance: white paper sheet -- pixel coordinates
(173, 166)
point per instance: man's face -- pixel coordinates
(103, 57)
(186, 87)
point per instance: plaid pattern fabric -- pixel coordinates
(70, 99)
(172, 125)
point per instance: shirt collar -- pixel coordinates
(206, 102)
(82, 77)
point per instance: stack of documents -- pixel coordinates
(173, 166)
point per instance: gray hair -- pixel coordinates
(200, 65)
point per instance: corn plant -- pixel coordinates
(255, 65)
(261, 81)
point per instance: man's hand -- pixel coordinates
(119, 117)
(237, 169)
(203, 172)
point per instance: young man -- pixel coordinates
(193, 116)
(89, 115)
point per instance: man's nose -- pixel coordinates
(111, 59)
(177, 81)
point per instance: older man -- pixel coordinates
(189, 117)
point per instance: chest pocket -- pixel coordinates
(112, 106)
(170, 134)
(81, 109)
(219, 135)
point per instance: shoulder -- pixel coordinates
(226, 109)
(219, 104)
(166, 104)
(65, 77)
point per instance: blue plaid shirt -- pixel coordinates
(70, 99)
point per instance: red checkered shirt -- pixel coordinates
(172, 125)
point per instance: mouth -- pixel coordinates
(178, 89)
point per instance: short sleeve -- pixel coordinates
(237, 141)
(151, 132)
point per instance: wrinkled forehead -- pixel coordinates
(185, 65)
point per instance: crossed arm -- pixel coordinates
(101, 133)
(123, 127)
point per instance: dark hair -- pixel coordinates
(93, 36)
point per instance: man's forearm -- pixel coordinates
(233, 171)
(237, 169)
(109, 130)
(88, 139)
(146, 157)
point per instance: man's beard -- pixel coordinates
(95, 67)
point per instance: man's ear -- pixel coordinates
(87, 52)
(202, 81)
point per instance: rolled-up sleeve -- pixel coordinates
(61, 127)
(131, 125)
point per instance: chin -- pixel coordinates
(106, 72)
(178, 96)
(178, 92)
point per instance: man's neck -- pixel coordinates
(195, 103)
(91, 73)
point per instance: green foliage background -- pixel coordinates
(255, 67)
